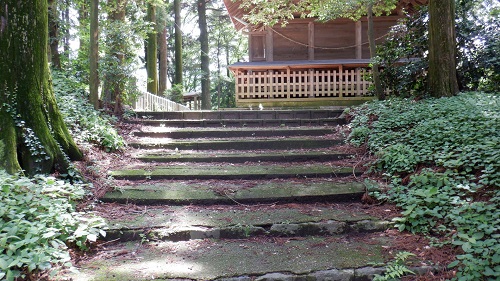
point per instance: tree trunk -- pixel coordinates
(163, 61)
(206, 102)
(114, 84)
(34, 137)
(442, 49)
(178, 79)
(94, 54)
(55, 57)
(379, 91)
(67, 35)
(152, 52)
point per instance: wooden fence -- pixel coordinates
(302, 84)
(150, 102)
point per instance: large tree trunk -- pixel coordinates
(178, 79)
(94, 54)
(114, 84)
(55, 57)
(442, 48)
(379, 91)
(206, 102)
(152, 52)
(34, 137)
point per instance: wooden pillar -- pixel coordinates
(269, 48)
(311, 40)
(359, 40)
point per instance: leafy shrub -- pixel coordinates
(456, 196)
(37, 220)
(85, 123)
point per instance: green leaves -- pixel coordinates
(85, 123)
(37, 219)
(458, 140)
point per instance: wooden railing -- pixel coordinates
(302, 84)
(150, 102)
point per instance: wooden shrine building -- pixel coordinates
(307, 63)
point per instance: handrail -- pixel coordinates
(149, 102)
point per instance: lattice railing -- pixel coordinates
(150, 102)
(300, 84)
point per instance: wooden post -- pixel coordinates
(311, 40)
(269, 46)
(359, 41)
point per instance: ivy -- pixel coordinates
(455, 195)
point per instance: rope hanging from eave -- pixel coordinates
(324, 48)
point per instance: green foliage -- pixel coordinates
(84, 123)
(404, 53)
(176, 93)
(456, 196)
(37, 221)
(396, 268)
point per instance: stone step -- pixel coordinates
(174, 223)
(236, 144)
(308, 258)
(238, 192)
(242, 114)
(240, 157)
(172, 133)
(239, 123)
(233, 172)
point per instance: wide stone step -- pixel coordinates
(172, 133)
(174, 223)
(232, 172)
(243, 114)
(309, 258)
(239, 123)
(238, 192)
(237, 144)
(241, 157)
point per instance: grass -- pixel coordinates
(441, 158)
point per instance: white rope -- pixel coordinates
(324, 48)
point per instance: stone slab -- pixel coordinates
(210, 157)
(217, 259)
(232, 172)
(185, 193)
(249, 144)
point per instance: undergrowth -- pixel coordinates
(85, 123)
(442, 160)
(38, 221)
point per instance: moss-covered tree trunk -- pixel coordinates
(152, 52)
(33, 135)
(162, 50)
(442, 48)
(178, 43)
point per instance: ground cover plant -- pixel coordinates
(38, 220)
(85, 123)
(441, 160)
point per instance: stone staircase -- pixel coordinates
(239, 195)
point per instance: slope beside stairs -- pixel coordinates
(239, 195)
